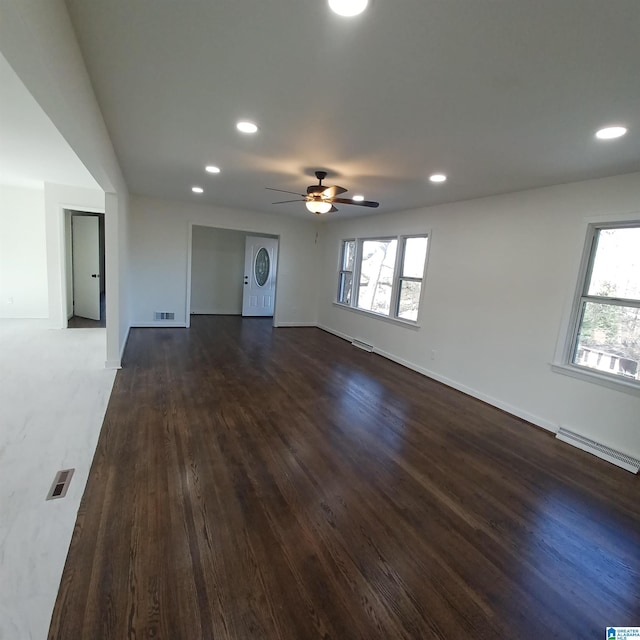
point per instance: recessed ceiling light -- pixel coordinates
(608, 133)
(246, 127)
(348, 7)
(358, 198)
(438, 177)
(197, 189)
(212, 169)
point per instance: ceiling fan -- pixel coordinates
(321, 199)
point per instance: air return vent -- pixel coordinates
(60, 484)
(164, 315)
(362, 345)
(597, 449)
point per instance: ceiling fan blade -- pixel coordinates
(361, 203)
(332, 192)
(332, 209)
(285, 201)
(302, 195)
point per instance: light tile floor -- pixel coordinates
(54, 392)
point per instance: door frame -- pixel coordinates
(66, 252)
(249, 232)
(70, 261)
(250, 258)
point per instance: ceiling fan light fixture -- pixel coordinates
(318, 206)
(348, 8)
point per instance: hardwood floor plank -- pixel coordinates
(252, 482)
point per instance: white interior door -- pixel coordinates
(86, 266)
(260, 261)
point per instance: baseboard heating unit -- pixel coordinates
(362, 345)
(597, 449)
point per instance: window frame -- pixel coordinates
(342, 271)
(401, 278)
(568, 344)
(358, 272)
(396, 279)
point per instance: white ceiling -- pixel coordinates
(501, 95)
(32, 150)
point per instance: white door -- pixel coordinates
(260, 261)
(86, 267)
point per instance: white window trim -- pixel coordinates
(595, 376)
(379, 316)
(562, 362)
(397, 277)
(342, 270)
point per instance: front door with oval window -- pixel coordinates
(260, 261)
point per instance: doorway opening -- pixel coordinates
(232, 272)
(85, 269)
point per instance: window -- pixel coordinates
(415, 254)
(387, 273)
(377, 264)
(345, 285)
(606, 335)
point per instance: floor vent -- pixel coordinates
(597, 449)
(362, 345)
(164, 315)
(60, 484)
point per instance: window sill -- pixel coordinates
(602, 379)
(379, 316)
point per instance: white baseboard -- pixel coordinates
(216, 312)
(344, 336)
(495, 402)
(161, 324)
(295, 324)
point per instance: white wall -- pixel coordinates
(38, 40)
(23, 257)
(217, 270)
(160, 233)
(501, 274)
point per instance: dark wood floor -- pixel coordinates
(252, 483)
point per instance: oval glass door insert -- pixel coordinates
(261, 267)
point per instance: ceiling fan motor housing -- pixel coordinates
(317, 189)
